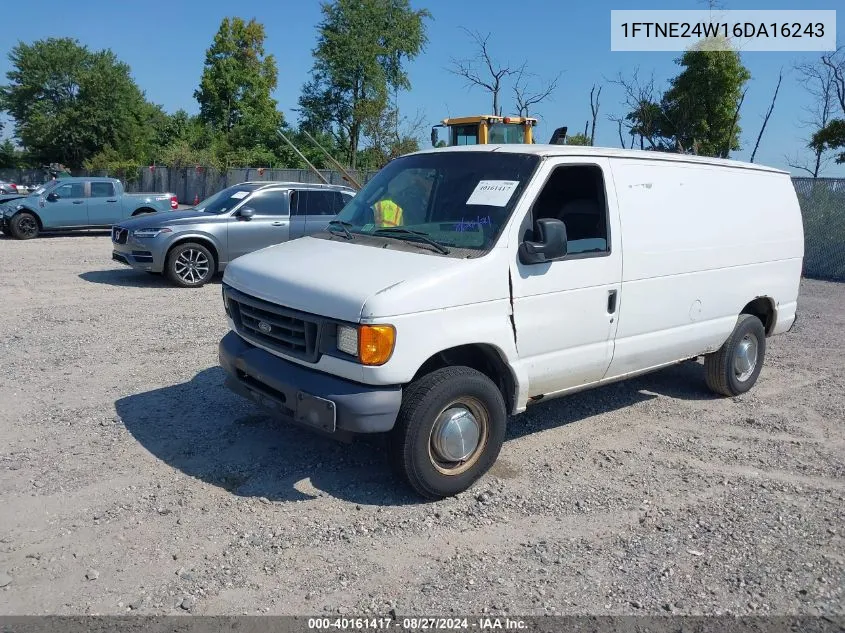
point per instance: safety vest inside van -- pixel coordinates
(387, 213)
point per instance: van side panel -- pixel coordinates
(700, 242)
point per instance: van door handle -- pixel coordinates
(611, 301)
(278, 223)
(112, 200)
(79, 202)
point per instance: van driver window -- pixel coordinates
(575, 195)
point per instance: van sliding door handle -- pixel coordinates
(611, 301)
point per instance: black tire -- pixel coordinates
(24, 226)
(179, 268)
(727, 371)
(412, 448)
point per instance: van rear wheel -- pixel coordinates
(735, 367)
(449, 431)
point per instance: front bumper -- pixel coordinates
(305, 396)
(139, 254)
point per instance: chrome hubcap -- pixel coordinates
(458, 436)
(745, 358)
(455, 435)
(192, 266)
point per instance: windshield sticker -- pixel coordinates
(493, 193)
(240, 194)
(473, 225)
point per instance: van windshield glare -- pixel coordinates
(458, 199)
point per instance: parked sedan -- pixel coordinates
(191, 246)
(8, 187)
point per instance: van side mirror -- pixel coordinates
(246, 214)
(434, 137)
(550, 244)
(52, 196)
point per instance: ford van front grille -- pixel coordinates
(275, 327)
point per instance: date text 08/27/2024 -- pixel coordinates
(416, 624)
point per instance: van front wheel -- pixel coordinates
(735, 367)
(449, 431)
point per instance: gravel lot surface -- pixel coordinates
(132, 481)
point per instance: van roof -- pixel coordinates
(605, 152)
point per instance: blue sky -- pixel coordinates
(165, 42)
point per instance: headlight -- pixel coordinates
(372, 344)
(347, 339)
(142, 233)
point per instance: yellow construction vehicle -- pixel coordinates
(489, 129)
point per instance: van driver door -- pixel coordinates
(566, 311)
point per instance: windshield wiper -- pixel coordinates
(343, 227)
(409, 235)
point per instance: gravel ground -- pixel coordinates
(131, 480)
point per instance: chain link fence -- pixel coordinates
(192, 183)
(822, 203)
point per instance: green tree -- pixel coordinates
(9, 156)
(237, 81)
(390, 135)
(699, 112)
(701, 107)
(69, 103)
(362, 48)
(578, 139)
(831, 137)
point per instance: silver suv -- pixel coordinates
(189, 247)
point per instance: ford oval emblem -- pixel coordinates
(264, 327)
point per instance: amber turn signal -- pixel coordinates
(375, 343)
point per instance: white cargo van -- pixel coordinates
(500, 275)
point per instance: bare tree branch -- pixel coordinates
(768, 114)
(594, 109)
(619, 129)
(490, 79)
(796, 163)
(837, 68)
(734, 122)
(638, 94)
(820, 81)
(524, 98)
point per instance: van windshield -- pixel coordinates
(460, 200)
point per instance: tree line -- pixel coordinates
(82, 108)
